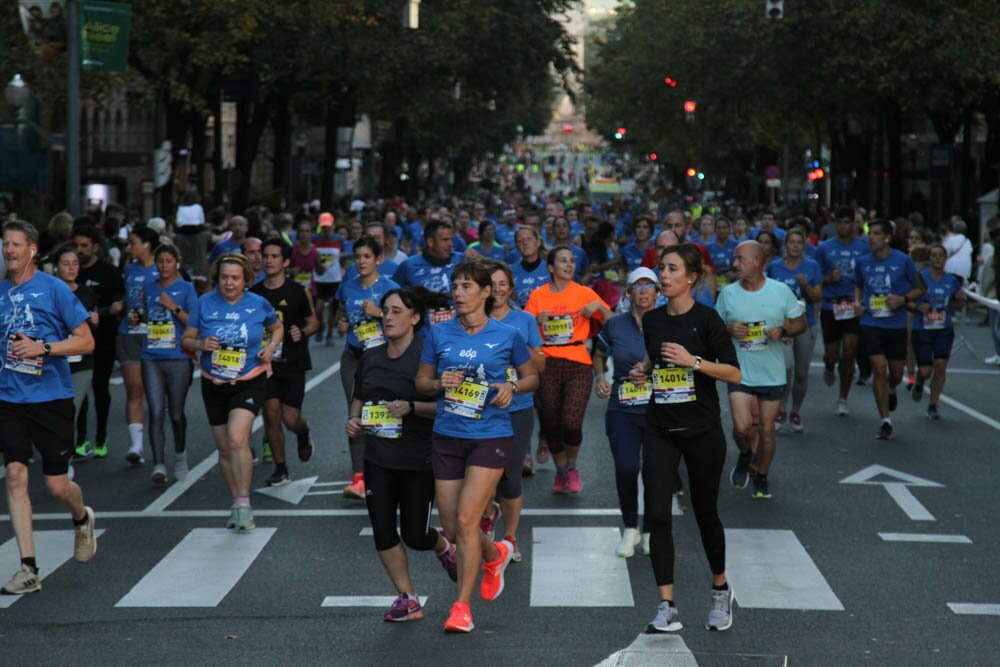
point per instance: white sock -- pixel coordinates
(135, 432)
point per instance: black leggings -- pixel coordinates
(412, 492)
(705, 456)
(104, 364)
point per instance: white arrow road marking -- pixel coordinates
(292, 492)
(896, 488)
(975, 609)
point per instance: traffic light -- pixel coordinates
(692, 172)
(816, 174)
(774, 9)
(689, 109)
(620, 133)
(670, 82)
(652, 157)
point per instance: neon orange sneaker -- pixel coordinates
(491, 585)
(459, 619)
(356, 489)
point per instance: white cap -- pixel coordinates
(641, 273)
(158, 225)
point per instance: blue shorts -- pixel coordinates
(931, 344)
(772, 393)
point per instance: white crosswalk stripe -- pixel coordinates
(52, 549)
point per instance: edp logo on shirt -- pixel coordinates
(467, 354)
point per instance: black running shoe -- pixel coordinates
(918, 391)
(885, 431)
(932, 412)
(740, 475)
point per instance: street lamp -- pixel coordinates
(17, 93)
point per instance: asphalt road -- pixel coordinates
(825, 573)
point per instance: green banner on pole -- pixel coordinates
(104, 30)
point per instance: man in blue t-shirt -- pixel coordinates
(759, 313)
(837, 259)
(432, 268)
(43, 324)
(886, 281)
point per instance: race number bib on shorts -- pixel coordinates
(26, 366)
(630, 394)
(304, 278)
(843, 309)
(878, 304)
(377, 420)
(265, 340)
(161, 336)
(466, 400)
(439, 315)
(673, 385)
(935, 318)
(558, 330)
(369, 334)
(755, 340)
(228, 363)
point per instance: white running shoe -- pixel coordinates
(181, 467)
(842, 410)
(630, 538)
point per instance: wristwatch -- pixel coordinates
(177, 310)
(46, 349)
(513, 385)
(697, 363)
(412, 409)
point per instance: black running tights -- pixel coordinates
(412, 492)
(704, 456)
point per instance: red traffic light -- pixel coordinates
(690, 106)
(670, 82)
(653, 156)
(621, 131)
(692, 172)
(816, 174)
(567, 127)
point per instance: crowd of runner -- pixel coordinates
(458, 324)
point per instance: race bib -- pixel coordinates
(721, 281)
(228, 363)
(369, 334)
(935, 318)
(878, 304)
(265, 340)
(161, 336)
(439, 315)
(466, 400)
(629, 393)
(673, 385)
(377, 420)
(304, 279)
(558, 330)
(26, 366)
(511, 374)
(755, 340)
(843, 309)
(137, 322)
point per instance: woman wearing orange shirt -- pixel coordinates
(564, 309)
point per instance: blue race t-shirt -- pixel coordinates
(878, 278)
(363, 332)
(222, 247)
(44, 308)
(416, 270)
(779, 270)
(940, 296)
(581, 260)
(163, 340)
(621, 338)
(465, 412)
(387, 268)
(505, 236)
(722, 255)
(496, 251)
(525, 281)
(832, 254)
(527, 328)
(134, 318)
(762, 360)
(238, 326)
(632, 255)
(777, 231)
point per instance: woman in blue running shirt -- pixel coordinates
(166, 368)
(487, 247)
(132, 331)
(804, 277)
(465, 363)
(934, 327)
(531, 272)
(227, 326)
(360, 317)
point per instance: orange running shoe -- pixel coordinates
(356, 489)
(491, 585)
(459, 619)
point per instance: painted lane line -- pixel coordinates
(293, 492)
(666, 650)
(770, 569)
(295, 513)
(177, 489)
(925, 537)
(366, 532)
(974, 609)
(908, 502)
(335, 492)
(562, 558)
(975, 414)
(52, 549)
(200, 571)
(364, 601)
(344, 483)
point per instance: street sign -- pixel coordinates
(105, 31)
(772, 171)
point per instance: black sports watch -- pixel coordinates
(46, 349)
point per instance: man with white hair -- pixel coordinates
(759, 312)
(959, 249)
